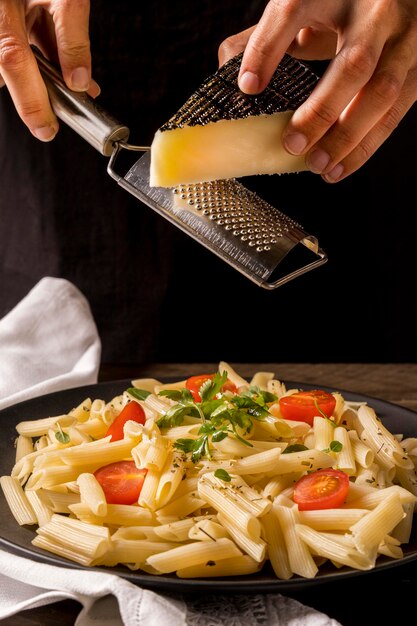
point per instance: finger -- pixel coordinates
(44, 37)
(377, 135)
(314, 45)
(21, 75)
(359, 118)
(233, 45)
(277, 28)
(72, 35)
(345, 76)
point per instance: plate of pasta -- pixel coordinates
(216, 482)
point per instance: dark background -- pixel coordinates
(157, 295)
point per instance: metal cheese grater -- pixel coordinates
(235, 223)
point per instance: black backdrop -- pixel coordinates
(154, 292)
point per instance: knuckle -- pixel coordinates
(318, 115)
(357, 61)
(13, 52)
(30, 109)
(64, 5)
(285, 9)
(345, 138)
(365, 150)
(76, 50)
(229, 45)
(391, 120)
(386, 87)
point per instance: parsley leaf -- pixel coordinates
(266, 396)
(254, 407)
(178, 395)
(139, 394)
(198, 447)
(211, 387)
(175, 415)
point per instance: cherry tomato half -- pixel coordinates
(323, 489)
(194, 383)
(131, 411)
(303, 406)
(121, 481)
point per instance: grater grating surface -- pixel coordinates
(233, 222)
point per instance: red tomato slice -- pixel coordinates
(303, 406)
(131, 411)
(121, 481)
(194, 383)
(323, 489)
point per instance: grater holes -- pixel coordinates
(238, 210)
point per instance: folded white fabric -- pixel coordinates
(49, 342)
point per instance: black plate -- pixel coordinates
(18, 539)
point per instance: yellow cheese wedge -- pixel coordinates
(221, 133)
(224, 149)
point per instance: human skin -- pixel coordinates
(60, 29)
(367, 88)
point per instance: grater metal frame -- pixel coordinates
(256, 254)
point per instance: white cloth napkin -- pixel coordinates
(49, 342)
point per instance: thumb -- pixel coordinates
(72, 36)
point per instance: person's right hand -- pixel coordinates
(60, 29)
(369, 84)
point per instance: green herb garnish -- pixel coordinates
(334, 446)
(220, 416)
(62, 436)
(139, 394)
(223, 475)
(294, 447)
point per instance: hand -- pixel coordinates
(60, 29)
(367, 88)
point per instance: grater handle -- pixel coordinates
(80, 111)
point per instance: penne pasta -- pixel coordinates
(209, 487)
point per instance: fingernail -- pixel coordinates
(334, 174)
(249, 83)
(80, 79)
(94, 90)
(45, 133)
(295, 143)
(317, 161)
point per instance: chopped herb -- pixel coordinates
(336, 446)
(294, 447)
(178, 395)
(139, 394)
(61, 436)
(223, 475)
(212, 386)
(265, 396)
(198, 447)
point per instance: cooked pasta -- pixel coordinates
(212, 485)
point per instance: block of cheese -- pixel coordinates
(222, 133)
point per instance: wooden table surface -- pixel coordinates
(393, 589)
